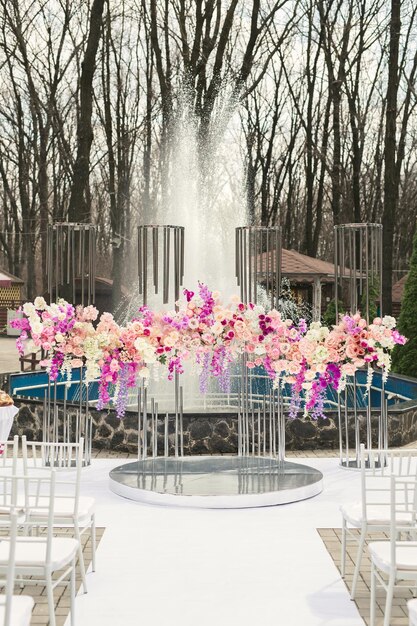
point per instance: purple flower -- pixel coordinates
(399, 339)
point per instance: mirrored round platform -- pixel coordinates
(216, 481)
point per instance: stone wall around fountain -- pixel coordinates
(218, 433)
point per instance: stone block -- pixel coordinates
(25, 417)
(117, 440)
(112, 420)
(303, 429)
(201, 428)
(218, 445)
(104, 431)
(222, 429)
(199, 447)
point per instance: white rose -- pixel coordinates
(28, 308)
(139, 344)
(40, 303)
(36, 328)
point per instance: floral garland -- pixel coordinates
(308, 358)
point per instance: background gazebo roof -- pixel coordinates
(305, 268)
(7, 279)
(398, 289)
(302, 268)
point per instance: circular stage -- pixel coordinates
(216, 481)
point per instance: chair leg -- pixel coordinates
(358, 562)
(373, 595)
(388, 602)
(343, 556)
(80, 555)
(51, 601)
(93, 542)
(72, 592)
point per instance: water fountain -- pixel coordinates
(198, 196)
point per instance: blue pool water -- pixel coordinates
(397, 388)
(35, 385)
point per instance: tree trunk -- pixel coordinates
(79, 209)
(390, 177)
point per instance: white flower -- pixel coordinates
(260, 349)
(92, 371)
(315, 326)
(342, 383)
(146, 350)
(29, 309)
(40, 303)
(388, 321)
(259, 310)
(144, 372)
(30, 346)
(36, 327)
(324, 332)
(386, 342)
(313, 334)
(321, 353)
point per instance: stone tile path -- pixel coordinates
(399, 616)
(109, 454)
(61, 593)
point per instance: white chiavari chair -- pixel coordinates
(372, 512)
(14, 610)
(38, 558)
(394, 562)
(412, 612)
(70, 508)
(8, 455)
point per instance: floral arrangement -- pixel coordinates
(202, 330)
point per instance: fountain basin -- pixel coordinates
(226, 482)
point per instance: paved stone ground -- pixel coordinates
(110, 454)
(399, 615)
(61, 593)
(101, 453)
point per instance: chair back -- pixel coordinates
(377, 468)
(45, 454)
(8, 455)
(20, 494)
(403, 512)
(8, 497)
(40, 458)
(7, 599)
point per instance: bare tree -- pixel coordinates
(79, 209)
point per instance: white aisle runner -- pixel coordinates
(161, 566)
